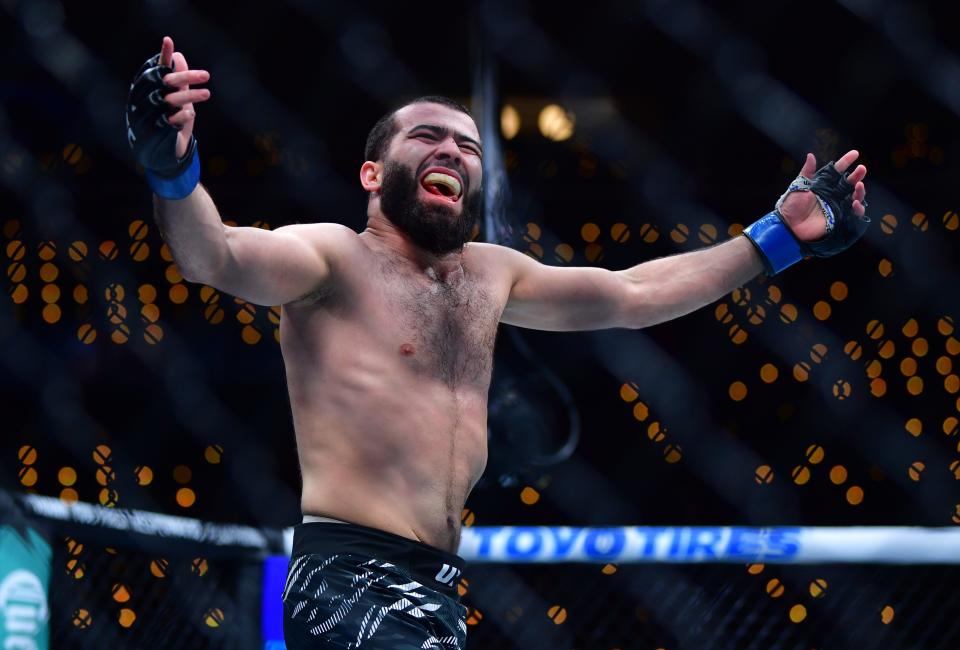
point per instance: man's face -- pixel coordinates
(431, 186)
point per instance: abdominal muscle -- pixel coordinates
(380, 443)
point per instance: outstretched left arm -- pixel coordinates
(563, 299)
(579, 298)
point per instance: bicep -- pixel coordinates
(565, 298)
(276, 267)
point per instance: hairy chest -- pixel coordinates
(443, 330)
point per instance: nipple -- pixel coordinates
(406, 350)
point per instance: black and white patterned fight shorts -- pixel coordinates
(350, 586)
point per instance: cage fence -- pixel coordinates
(134, 579)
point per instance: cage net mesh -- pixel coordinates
(714, 606)
(185, 598)
(116, 597)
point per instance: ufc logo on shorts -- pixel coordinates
(447, 574)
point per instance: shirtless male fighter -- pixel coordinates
(387, 338)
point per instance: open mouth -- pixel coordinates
(443, 184)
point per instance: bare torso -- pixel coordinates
(388, 371)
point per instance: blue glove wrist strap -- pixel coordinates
(178, 187)
(775, 241)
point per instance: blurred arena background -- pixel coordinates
(627, 131)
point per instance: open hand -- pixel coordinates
(183, 97)
(801, 210)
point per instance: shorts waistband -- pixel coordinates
(313, 519)
(430, 566)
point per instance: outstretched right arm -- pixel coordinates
(261, 266)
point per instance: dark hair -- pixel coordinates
(386, 127)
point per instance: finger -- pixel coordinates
(847, 160)
(179, 62)
(860, 192)
(189, 77)
(858, 209)
(182, 117)
(809, 166)
(857, 175)
(166, 51)
(183, 97)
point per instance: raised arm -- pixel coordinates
(260, 266)
(820, 214)
(563, 299)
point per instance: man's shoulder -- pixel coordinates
(335, 244)
(501, 264)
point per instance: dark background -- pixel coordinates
(674, 126)
(686, 115)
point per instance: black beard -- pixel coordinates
(434, 228)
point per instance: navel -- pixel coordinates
(406, 350)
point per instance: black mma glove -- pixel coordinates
(153, 139)
(776, 242)
(834, 194)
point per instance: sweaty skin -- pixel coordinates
(388, 349)
(388, 372)
(388, 364)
